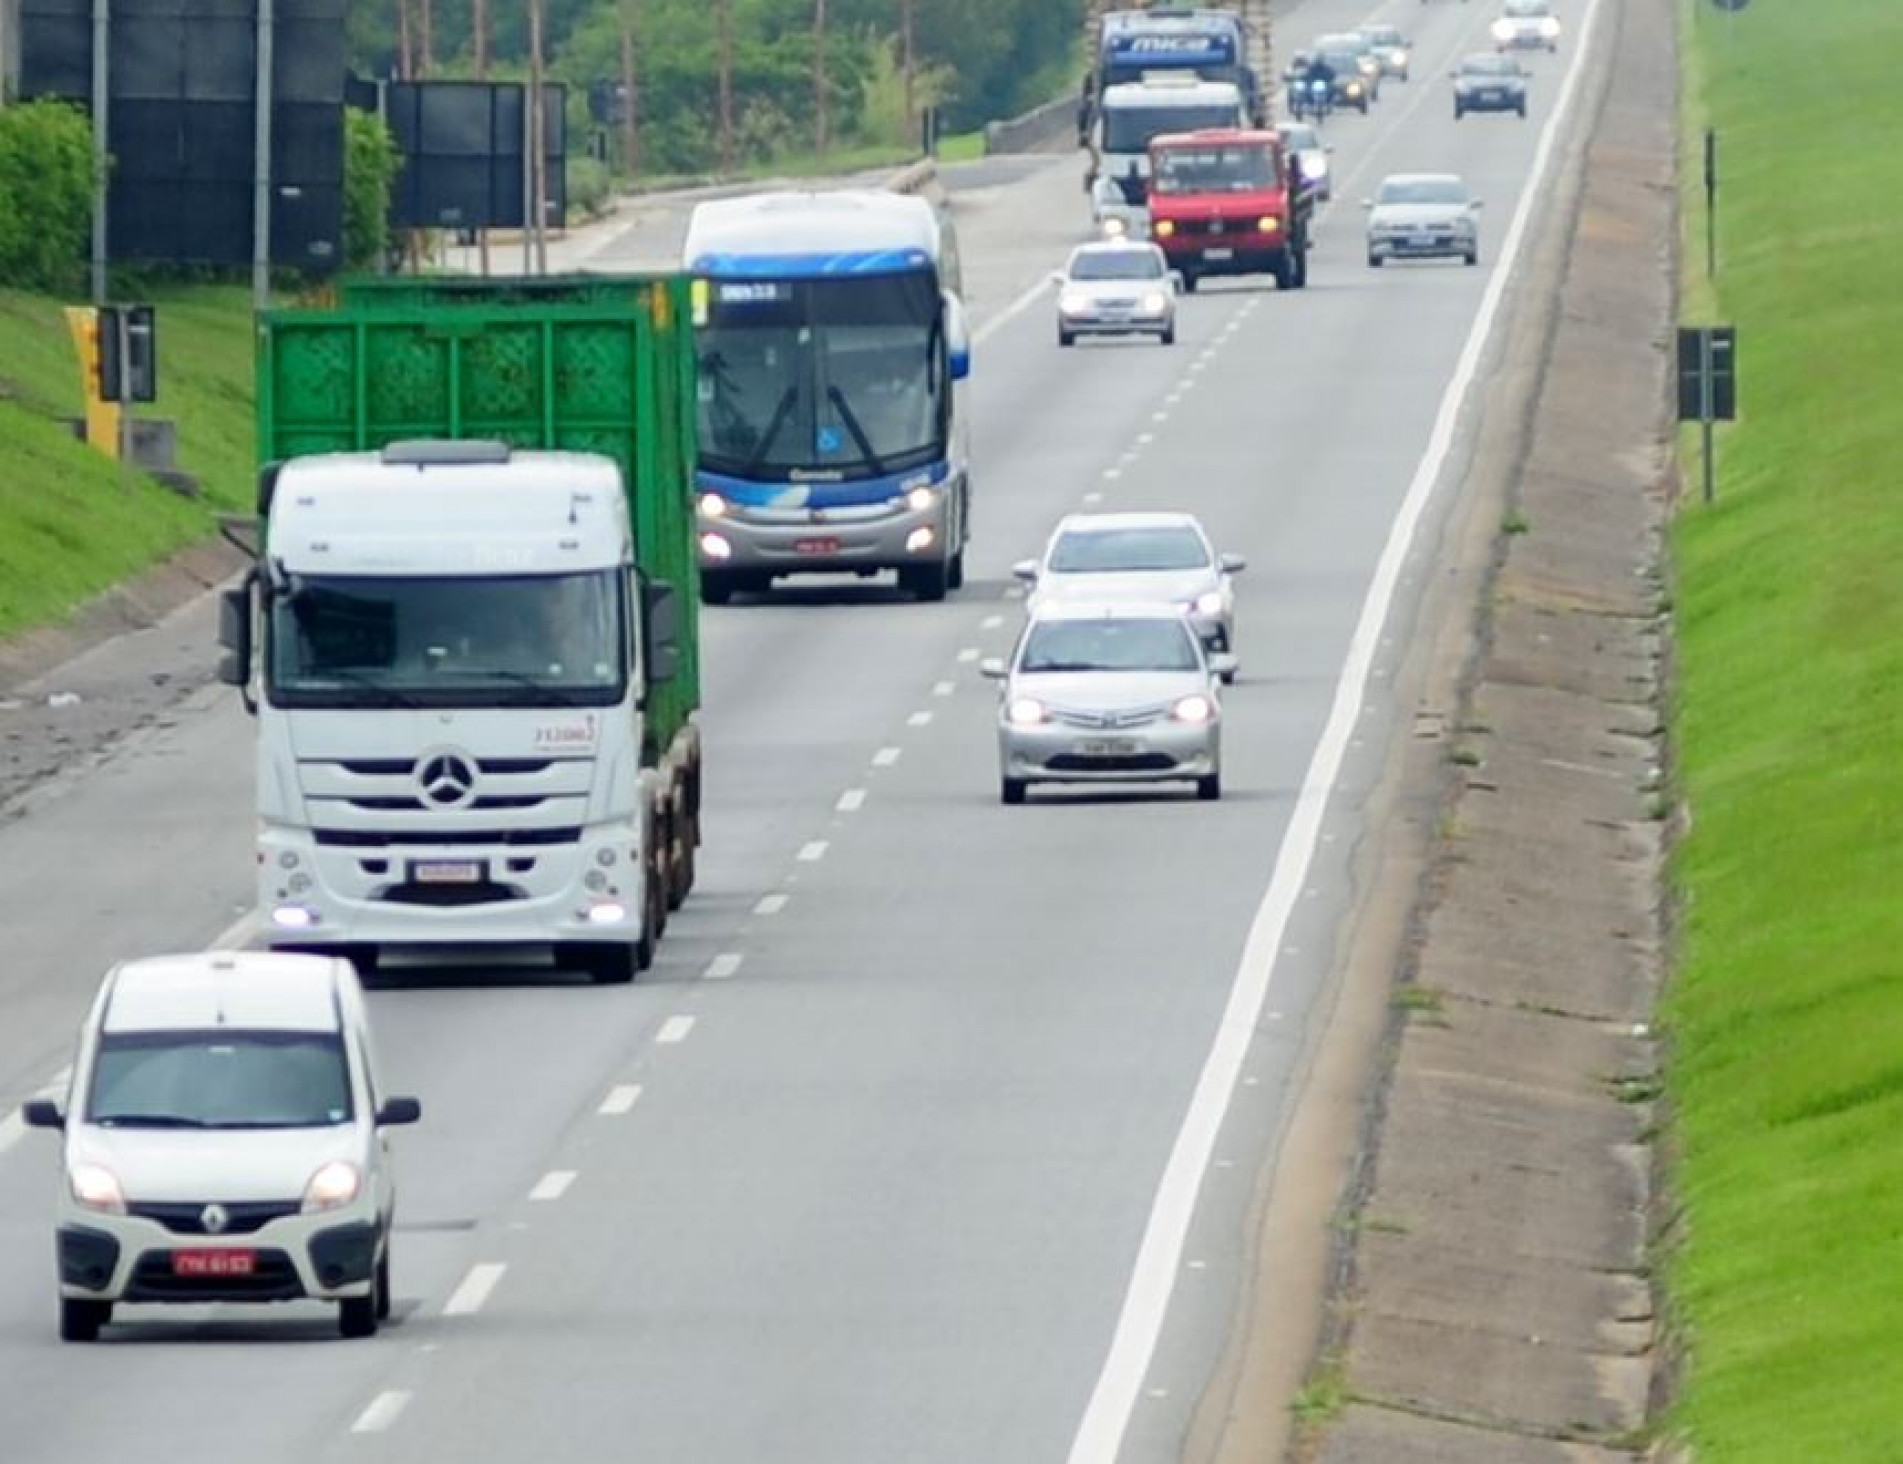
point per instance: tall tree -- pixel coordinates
(819, 76)
(630, 14)
(723, 69)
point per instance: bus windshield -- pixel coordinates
(823, 379)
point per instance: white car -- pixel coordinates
(1113, 212)
(1115, 287)
(225, 1142)
(1526, 25)
(1112, 558)
(1108, 694)
(1422, 216)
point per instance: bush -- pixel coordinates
(590, 189)
(371, 163)
(46, 194)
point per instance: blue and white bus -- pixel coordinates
(832, 434)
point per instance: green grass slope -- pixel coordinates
(1786, 1017)
(71, 523)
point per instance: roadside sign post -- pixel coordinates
(1711, 203)
(1707, 385)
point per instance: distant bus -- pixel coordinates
(832, 339)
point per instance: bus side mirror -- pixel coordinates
(957, 338)
(661, 625)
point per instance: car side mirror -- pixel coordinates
(992, 668)
(1057, 278)
(661, 625)
(1232, 563)
(1478, 203)
(1026, 570)
(42, 1113)
(399, 1111)
(1222, 663)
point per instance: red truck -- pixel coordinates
(1229, 201)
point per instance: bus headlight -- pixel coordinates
(922, 500)
(712, 505)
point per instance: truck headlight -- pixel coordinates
(1269, 224)
(1163, 228)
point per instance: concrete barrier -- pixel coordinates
(1049, 128)
(914, 177)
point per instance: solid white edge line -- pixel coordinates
(552, 1186)
(621, 1099)
(1010, 312)
(674, 1029)
(1146, 1303)
(382, 1411)
(240, 932)
(468, 1298)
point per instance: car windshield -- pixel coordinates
(449, 641)
(1213, 168)
(1422, 190)
(1526, 9)
(219, 1080)
(824, 380)
(1490, 66)
(1116, 264)
(1128, 551)
(1129, 129)
(1108, 645)
(1341, 62)
(1382, 35)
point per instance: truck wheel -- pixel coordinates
(716, 586)
(1011, 790)
(1301, 268)
(80, 1319)
(955, 571)
(1189, 282)
(610, 963)
(383, 1287)
(927, 583)
(682, 864)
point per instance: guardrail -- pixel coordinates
(1049, 128)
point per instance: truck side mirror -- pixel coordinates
(661, 627)
(234, 635)
(957, 338)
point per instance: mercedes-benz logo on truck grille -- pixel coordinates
(447, 780)
(214, 1218)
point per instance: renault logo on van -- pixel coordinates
(214, 1218)
(447, 780)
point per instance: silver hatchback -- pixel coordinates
(1108, 694)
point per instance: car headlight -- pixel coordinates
(712, 505)
(1209, 602)
(1353, 88)
(921, 499)
(1163, 228)
(97, 1188)
(1026, 711)
(1268, 224)
(1502, 29)
(1367, 65)
(1549, 27)
(1318, 168)
(1073, 302)
(1153, 303)
(332, 1187)
(1196, 710)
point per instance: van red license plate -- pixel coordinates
(817, 546)
(447, 871)
(213, 1264)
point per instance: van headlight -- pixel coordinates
(97, 1188)
(332, 1187)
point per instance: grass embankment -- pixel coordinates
(71, 524)
(1786, 1018)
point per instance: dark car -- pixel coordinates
(1353, 86)
(1489, 83)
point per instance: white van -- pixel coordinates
(225, 1141)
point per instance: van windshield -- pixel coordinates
(219, 1080)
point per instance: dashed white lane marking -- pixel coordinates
(943, 688)
(621, 1099)
(851, 801)
(1113, 1398)
(383, 1410)
(812, 853)
(723, 966)
(1093, 498)
(968, 654)
(1112, 474)
(552, 1186)
(468, 1298)
(885, 757)
(770, 905)
(674, 1029)
(919, 719)
(991, 622)
(1159, 416)
(1146, 437)
(1013, 592)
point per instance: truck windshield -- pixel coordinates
(1227, 168)
(1129, 129)
(448, 641)
(823, 379)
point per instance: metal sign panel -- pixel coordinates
(1707, 373)
(462, 145)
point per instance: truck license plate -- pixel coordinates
(816, 546)
(447, 871)
(1219, 254)
(210, 1263)
(1108, 746)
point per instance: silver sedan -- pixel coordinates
(1115, 287)
(1153, 557)
(1108, 694)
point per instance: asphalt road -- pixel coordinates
(933, 1134)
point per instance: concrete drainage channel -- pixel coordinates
(1494, 1301)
